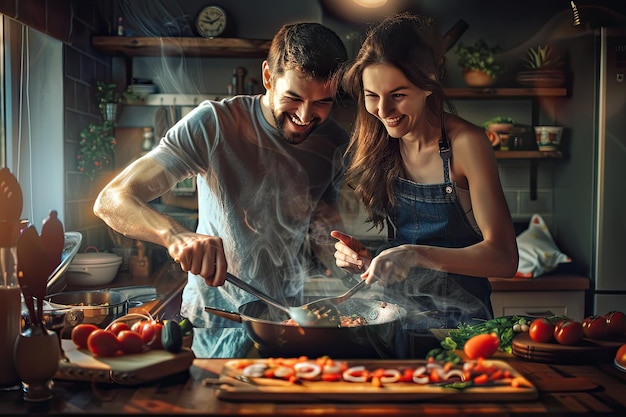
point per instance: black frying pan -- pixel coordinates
(377, 339)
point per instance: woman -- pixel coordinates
(429, 174)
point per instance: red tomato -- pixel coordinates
(81, 332)
(117, 327)
(137, 326)
(541, 330)
(616, 321)
(103, 343)
(620, 356)
(130, 342)
(151, 334)
(595, 327)
(568, 332)
(481, 346)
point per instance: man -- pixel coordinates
(264, 192)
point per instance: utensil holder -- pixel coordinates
(37, 354)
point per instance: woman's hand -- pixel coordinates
(350, 254)
(391, 265)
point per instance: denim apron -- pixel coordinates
(431, 214)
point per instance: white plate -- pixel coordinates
(618, 366)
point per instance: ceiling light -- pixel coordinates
(371, 3)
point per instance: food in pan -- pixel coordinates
(344, 321)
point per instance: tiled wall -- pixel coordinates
(515, 176)
(83, 67)
(73, 22)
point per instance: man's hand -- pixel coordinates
(201, 255)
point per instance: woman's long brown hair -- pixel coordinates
(412, 44)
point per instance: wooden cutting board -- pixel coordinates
(232, 389)
(123, 369)
(586, 351)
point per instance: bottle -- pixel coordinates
(234, 87)
(148, 139)
(10, 304)
(120, 26)
(139, 264)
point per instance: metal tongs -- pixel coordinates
(324, 314)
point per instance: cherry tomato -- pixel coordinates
(481, 346)
(103, 343)
(130, 342)
(595, 327)
(81, 332)
(620, 356)
(117, 327)
(568, 332)
(151, 334)
(137, 326)
(541, 330)
(616, 321)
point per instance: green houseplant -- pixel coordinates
(543, 57)
(108, 99)
(544, 67)
(96, 148)
(479, 63)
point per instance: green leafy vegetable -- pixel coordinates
(444, 355)
(501, 326)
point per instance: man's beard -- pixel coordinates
(293, 138)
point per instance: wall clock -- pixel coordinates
(211, 21)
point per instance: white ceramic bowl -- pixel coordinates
(142, 90)
(93, 269)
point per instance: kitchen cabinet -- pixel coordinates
(547, 295)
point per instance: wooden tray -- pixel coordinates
(587, 351)
(123, 369)
(263, 390)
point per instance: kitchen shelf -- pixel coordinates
(131, 46)
(528, 154)
(128, 47)
(513, 92)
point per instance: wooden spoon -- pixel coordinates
(11, 199)
(32, 271)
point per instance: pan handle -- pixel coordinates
(228, 315)
(258, 294)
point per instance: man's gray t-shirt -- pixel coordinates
(255, 191)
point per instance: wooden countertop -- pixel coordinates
(555, 282)
(601, 391)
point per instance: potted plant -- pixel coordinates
(108, 99)
(478, 63)
(96, 148)
(544, 68)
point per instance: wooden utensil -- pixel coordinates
(53, 240)
(32, 272)
(11, 202)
